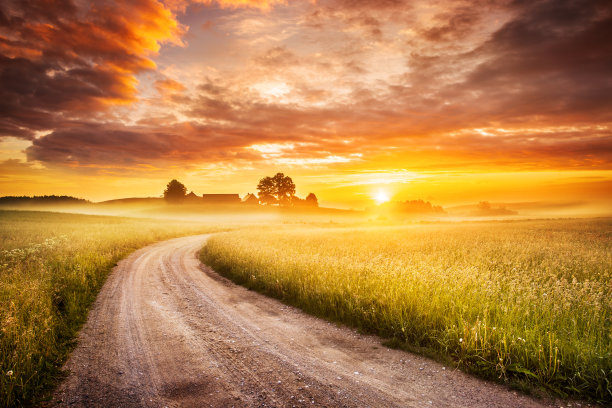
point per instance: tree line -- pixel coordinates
(277, 190)
(46, 199)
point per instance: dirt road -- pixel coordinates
(166, 331)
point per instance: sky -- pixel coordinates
(451, 101)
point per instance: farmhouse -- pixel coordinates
(250, 199)
(192, 198)
(221, 198)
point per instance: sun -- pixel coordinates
(381, 197)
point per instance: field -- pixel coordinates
(529, 303)
(51, 268)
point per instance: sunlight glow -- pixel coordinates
(381, 197)
(272, 148)
(272, 90)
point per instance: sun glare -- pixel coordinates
(381, 197)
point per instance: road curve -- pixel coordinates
(166, 331)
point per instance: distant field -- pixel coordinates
(526, 302)
(51, 268)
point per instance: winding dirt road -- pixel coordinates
(166, 331)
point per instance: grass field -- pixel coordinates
(527, 302)
(51, 268)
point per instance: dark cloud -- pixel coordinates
(454, 24)
(61, 61)
(553, 61)
(277, 57)
(548, 64)
(127, 146)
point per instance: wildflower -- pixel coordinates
(9, 373)
(460, 340)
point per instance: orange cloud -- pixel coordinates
(262, 4)
(169, 86)
(181, 5)
(61, 61)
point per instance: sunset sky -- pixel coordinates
(450, 101)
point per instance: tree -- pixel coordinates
(278, 189)
(175, 192)
(266, 191)
(484, 205)
(311, 200)
(285, 189)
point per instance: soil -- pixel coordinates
(166, 331)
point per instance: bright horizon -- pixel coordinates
(359, 102)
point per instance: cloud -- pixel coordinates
(366, 18)
(518, 84)
(62, 59)
(262, 4)
(12, 167)
(454, 24)
(277, 57)
(181, 5)
(169, 86)
(102, 145)
(547, 64)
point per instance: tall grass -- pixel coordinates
(51, 268)
(525, 302)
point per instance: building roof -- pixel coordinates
(221, 197)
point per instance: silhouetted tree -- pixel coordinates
(285, 189)
(48, 199)
(266, 191)
(175, 192)
(279, 189)
(311, 200)
(484, 205)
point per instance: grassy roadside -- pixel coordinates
(528, 303)
(51, 268)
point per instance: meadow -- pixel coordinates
(51, 268)
(528, 303)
